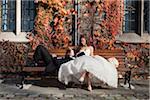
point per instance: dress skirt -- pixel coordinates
(100, 68)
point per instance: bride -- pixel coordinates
(87, 66)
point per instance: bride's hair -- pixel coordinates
(87, 42)
(114, 61)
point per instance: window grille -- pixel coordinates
(146, 16)
(27, 15)
(130, 16)
(8, 15)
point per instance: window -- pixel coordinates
(27, 15)
(8, 15)
(146, 16)
(130, 16)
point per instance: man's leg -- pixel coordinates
(41, 53)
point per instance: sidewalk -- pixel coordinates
(35, 92)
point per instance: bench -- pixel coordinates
(33, 73)
(119, 54)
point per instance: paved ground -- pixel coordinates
(49, 92)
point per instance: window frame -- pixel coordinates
(136, 37)
(17, 35)
(18, 19)
(147, 15)
(6, 20)
(128, 12)
(29, 10)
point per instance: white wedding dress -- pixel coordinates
(100, 68)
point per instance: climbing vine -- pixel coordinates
(52, 23)
(101, 19)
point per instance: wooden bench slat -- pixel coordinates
(112, 54)
(33, 69)
(62, 51)
(33, 78)
(121, 63)
(7, 70)
(118, 51)
(122, 69)
(118, 57)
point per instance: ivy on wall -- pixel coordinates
(53, 23)
(12, 56)
(138, 57)
(101, 19)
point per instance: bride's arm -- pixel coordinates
(91, 51)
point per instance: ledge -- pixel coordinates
(13, 38)
(133, 38)
(126, 37)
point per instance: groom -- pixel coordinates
(52, 63)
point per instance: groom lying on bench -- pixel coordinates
(51, 63)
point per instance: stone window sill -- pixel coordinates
(133, 38)
(10, 36)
